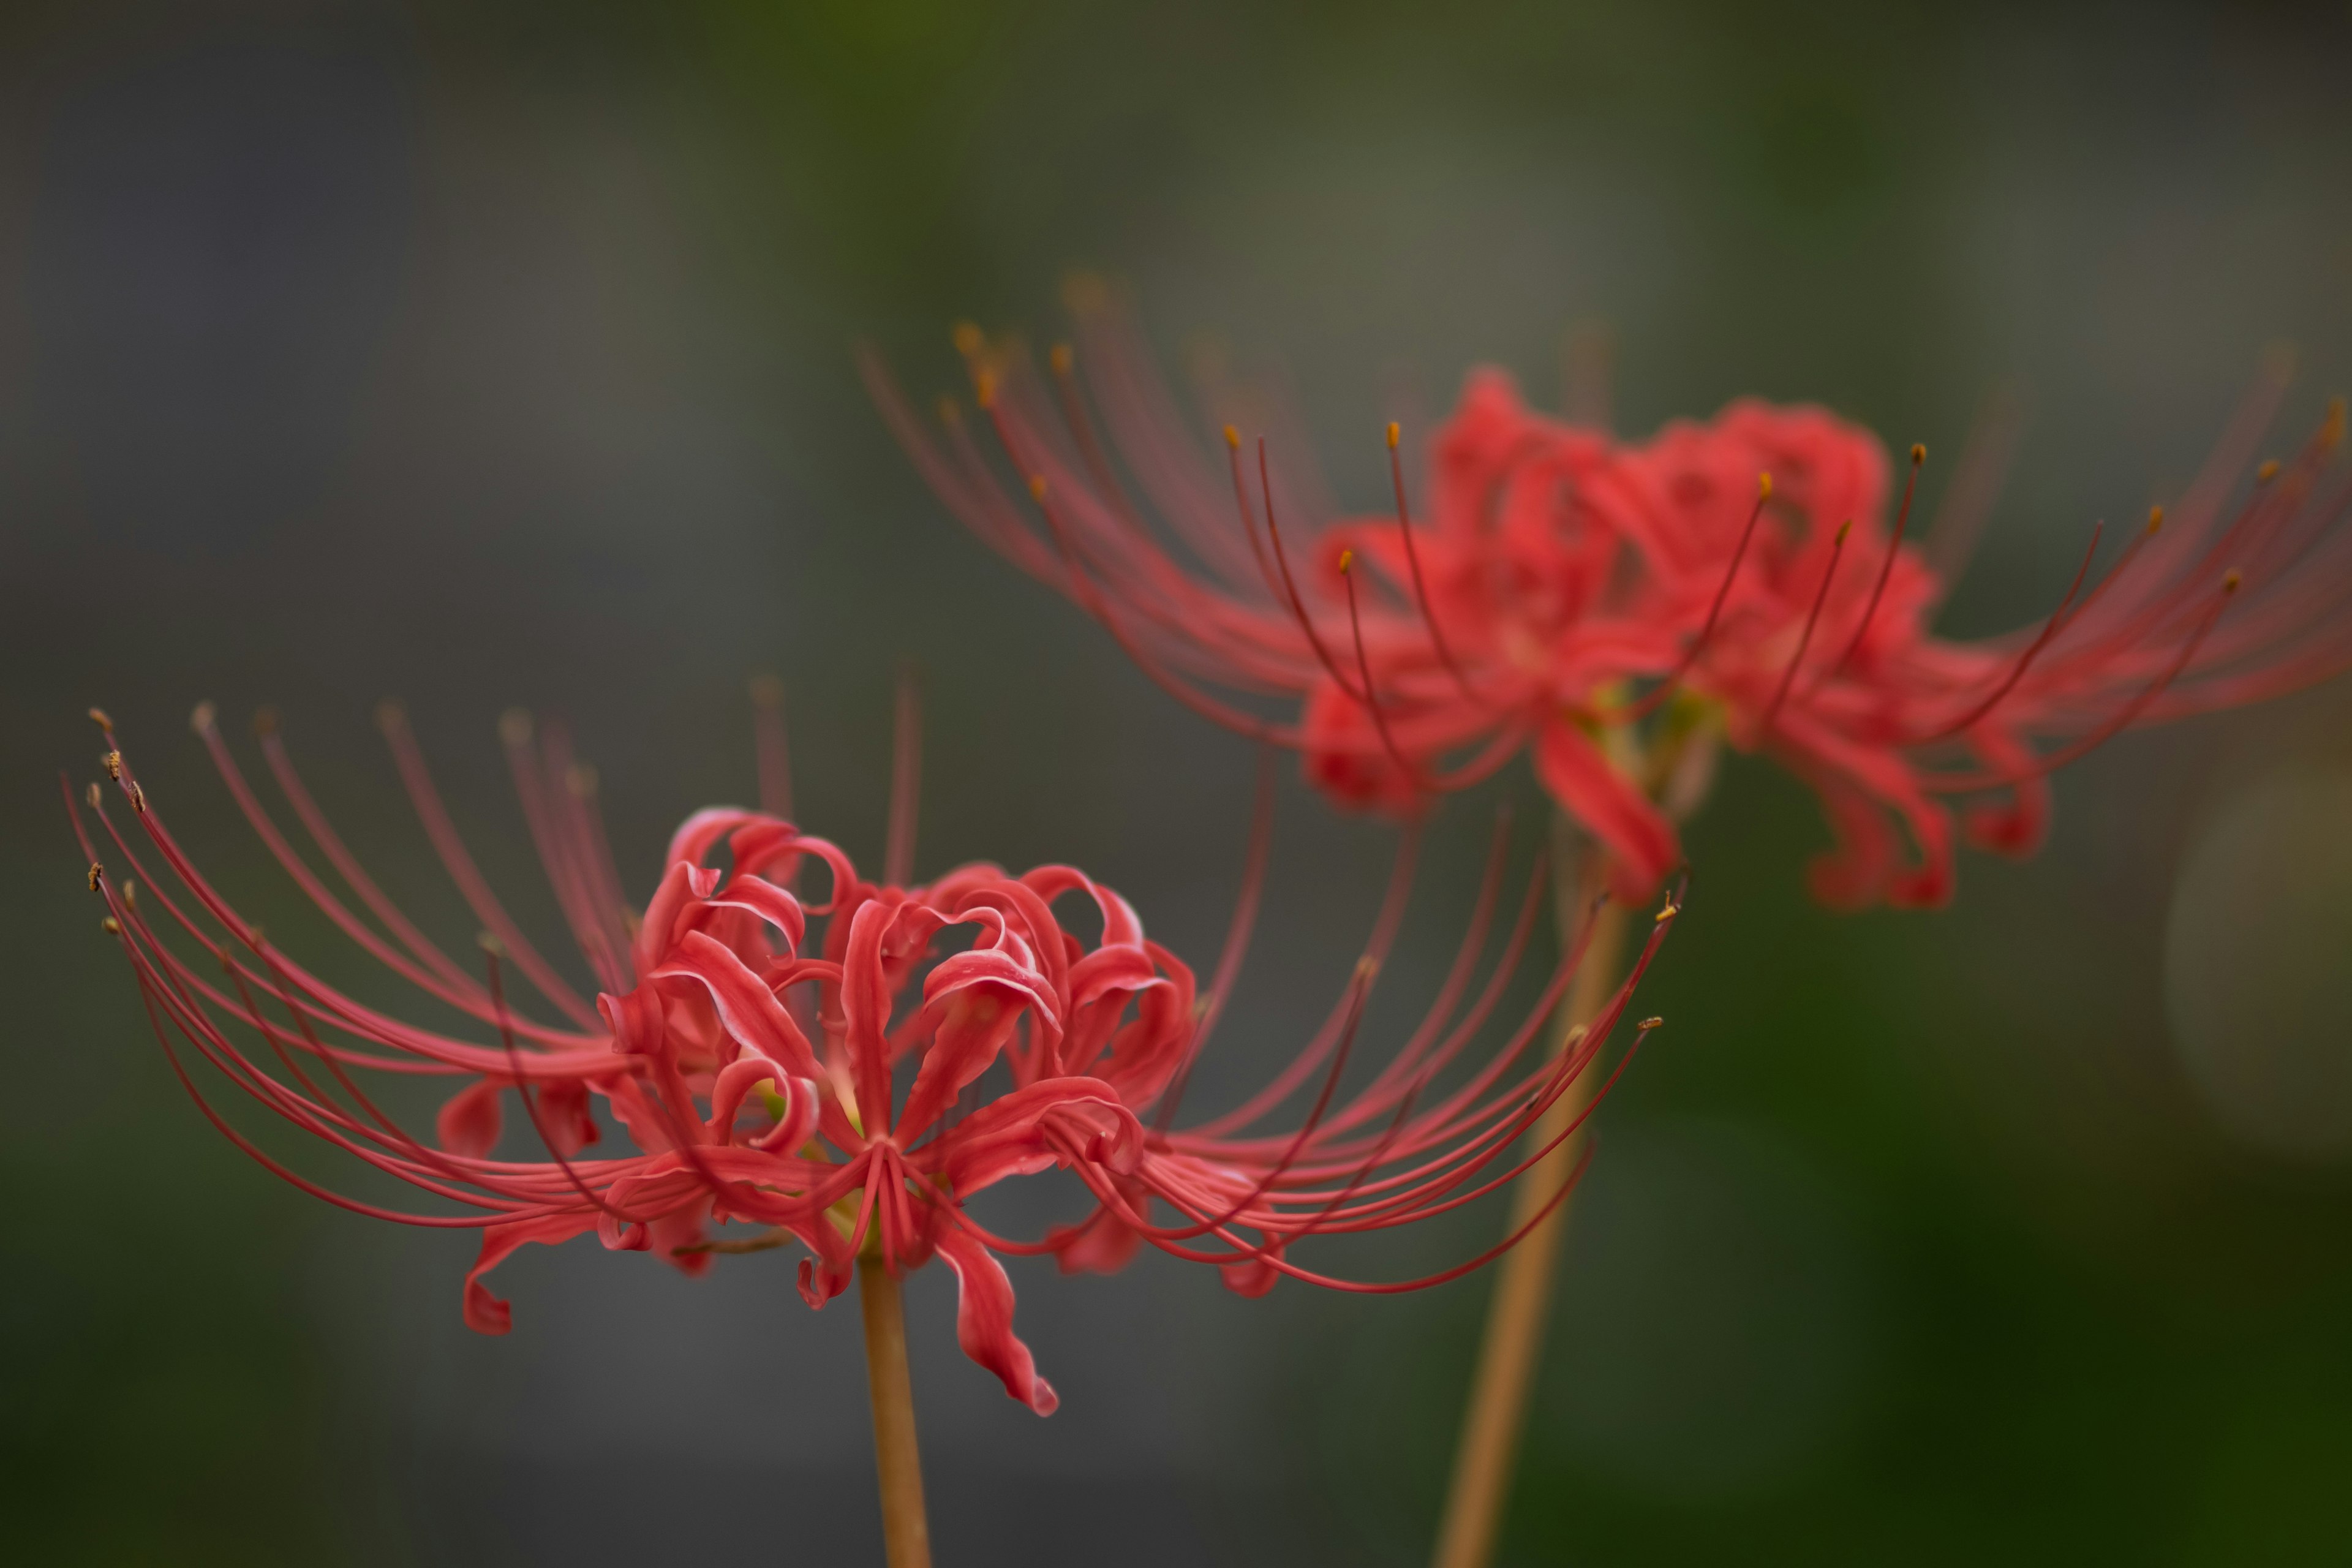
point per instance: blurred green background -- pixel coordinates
(501, 353)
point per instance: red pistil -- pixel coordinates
(1886, 567)
(1652, 699)
(905, 779)
(1290, 587)
(1412, 559)
(1364, 666)
(1805, 637)
(2025, 660)
(1969, 784)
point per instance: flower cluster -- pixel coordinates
(1613, 608)
(843, 1072)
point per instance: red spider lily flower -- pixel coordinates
(1614, 608)
(846, 1072)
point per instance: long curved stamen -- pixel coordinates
(772, 747)
(1249, 518)
(1364, 668)
(1290, 586)
(1359, 989)
(522, 1087)
(1067, 393)
(1656, 696)
(2025, 660)
(1083, 590)
(416, 779)
(1886, 569)
(905, 779)
(1412, 559)
(1237, 938)
(1822, 597)
(2131, 553)
(1972, 783)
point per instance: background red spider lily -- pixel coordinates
(496, 355)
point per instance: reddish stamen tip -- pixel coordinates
(98, 717)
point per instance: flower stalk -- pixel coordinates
(906, 1528)
(1512, 1348)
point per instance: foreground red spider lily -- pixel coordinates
(1614, 608)
(849, 1089)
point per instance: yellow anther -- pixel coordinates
(984, 388)
(1061, 358)
(1036, 487)
(94, 798)
(1669, 913)
(96, 872)
(2331, 425)
(1393, 435)
(130, 894)
(2229, 581)
(1653, 1022)
(1347, 559)
(1233, 438)
(1843, 529)
(2155, 517)
(969, 339)
(1763, 485)
(138, 798)
(1919, 453)
(2267, 472)
(111, 926)
(97, 716)
(113, 760)
(1366, 967)
(201, 718)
